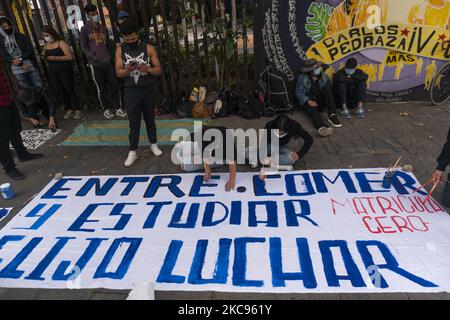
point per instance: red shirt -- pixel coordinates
(5, 93)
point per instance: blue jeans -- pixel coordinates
(31, 78)
(284, 159)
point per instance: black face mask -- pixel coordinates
(133, 45)
(8, 31)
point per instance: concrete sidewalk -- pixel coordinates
(376, 141)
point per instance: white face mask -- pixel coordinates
(317, 71)
(48, 39)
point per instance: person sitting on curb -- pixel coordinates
(10, 127)
(34, 104)
(350, 89)
(194, 155)
(315, 95)
(438, 175)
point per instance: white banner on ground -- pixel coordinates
(306, 231)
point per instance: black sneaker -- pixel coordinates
(15, 174)
(30, 156)
(334, 121)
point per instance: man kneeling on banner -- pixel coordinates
(350, 89)
(281, 131)
(315, 95)
(35, 106)
(200, 153)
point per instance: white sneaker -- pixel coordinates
(108, 114)
(156, 151)
(68, 114)
(121, 113)
(325, 131)
(132, 158)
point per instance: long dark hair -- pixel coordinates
(52, 32)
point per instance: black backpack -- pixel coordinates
(250, 107)
(231, 102)
(170, 103)
(184, 109)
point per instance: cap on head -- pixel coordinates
(310, 65)
(123, 14)
(351, 63)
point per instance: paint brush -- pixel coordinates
(424, 185)
(431, 192)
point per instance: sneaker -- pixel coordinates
(132, 158)
(78, 115)
(346, 114)
(254, 165)
(334, 121)
(121, 113)
(15, 174)
(156, 151)
(68, 114)
(360, 113)
(325, 131)
(30, 156)
(108, 114)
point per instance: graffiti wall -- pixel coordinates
(398, 43)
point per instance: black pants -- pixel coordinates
(324, 98)
(63, 80)
(10, 127)
(140, 101)
(350, 93)
(105, 80)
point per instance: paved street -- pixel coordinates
(377, 141)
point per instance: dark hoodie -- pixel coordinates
(444, 158)
(15, 46)
(32, 100)
(96, 44)
(293, 129)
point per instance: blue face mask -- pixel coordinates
(95, 19)
(317, 71)
(349, 71)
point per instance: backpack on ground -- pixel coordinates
(250, 107)
(184, 109)
(200, 110)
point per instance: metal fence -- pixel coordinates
(199, 42)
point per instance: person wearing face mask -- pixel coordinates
(287, 129)
(99, 51)
(59, 57)
(16, 50)
(315, 95)
(138, 65)
(350, 89)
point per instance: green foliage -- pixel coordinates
(317, 21)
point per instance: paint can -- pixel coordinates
(387, 180)
(7, 191)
